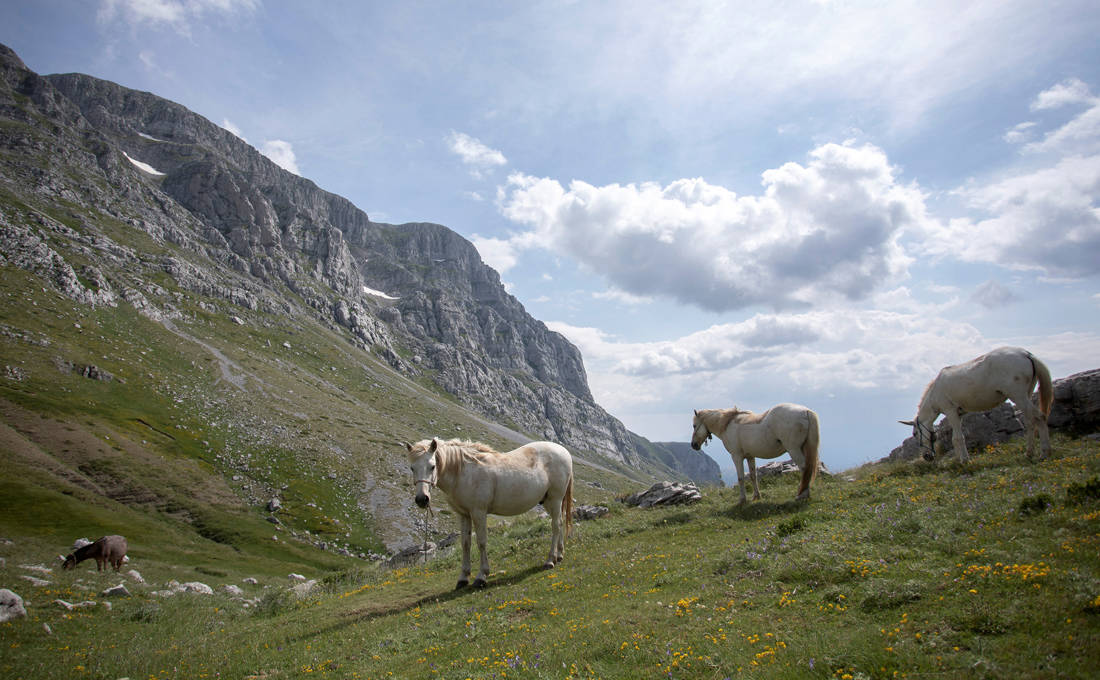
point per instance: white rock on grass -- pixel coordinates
(296, 577)
(116, 591)
(11, 606)
(133, 574)
(232, 590)
(196, 587)
(304, 589)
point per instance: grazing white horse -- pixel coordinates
(783, 428)
(979, 385)
(479, 481)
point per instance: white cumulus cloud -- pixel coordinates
(1042, 215)
(827, 228)
(228, 125)
(282, 154)
(475, 154)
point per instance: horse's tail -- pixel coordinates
(1046, 387)
(567, 506)
(809, 450)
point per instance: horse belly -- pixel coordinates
(515, 501)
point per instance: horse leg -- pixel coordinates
(556, 540)
(754, 480)
(482, 547)
(958, 439)
(1044, 435)
(1036, 427)
(799, 458)
(738, 465)
(464, 530)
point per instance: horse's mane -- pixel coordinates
(718, 419)
(735, 415)
(454, 450)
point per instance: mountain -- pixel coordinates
(163, 278)
(679, 456)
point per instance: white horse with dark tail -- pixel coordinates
(783, 428)
(979, 385)
(479, 481)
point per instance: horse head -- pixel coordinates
(700, 434)
(923, 433)
(422, 460)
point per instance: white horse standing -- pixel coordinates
(479, 480)
(783, 428)
(979, 385)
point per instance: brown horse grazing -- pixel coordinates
(106, 549)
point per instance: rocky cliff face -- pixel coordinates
(275, 241)
(679, 456)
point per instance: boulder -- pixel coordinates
(116, 591)
(195, 587)
(412, 554)
(586, 512)
(664, 493)
(782, 467)
(302, 590)
(11, 606)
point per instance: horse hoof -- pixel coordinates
(461, 584)
(480, 583)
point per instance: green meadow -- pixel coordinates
(988, 570)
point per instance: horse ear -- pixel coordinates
(434, 445)
(407, 445)
(910, 423)
(696, 411)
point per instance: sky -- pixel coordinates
(720, 203)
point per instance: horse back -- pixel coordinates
(520, 479)
(984, 382)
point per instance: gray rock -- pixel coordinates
(665, 493)
(782, 467)
(232, 590)
(11, 606)
(302, 590)
(587, 512)
(116, 591)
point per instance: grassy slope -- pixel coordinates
(181, 457)
(989, 570)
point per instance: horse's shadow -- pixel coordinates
(760, 509)
(358, 616)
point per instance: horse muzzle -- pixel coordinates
(422, 499)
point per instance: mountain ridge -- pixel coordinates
(125, 203)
